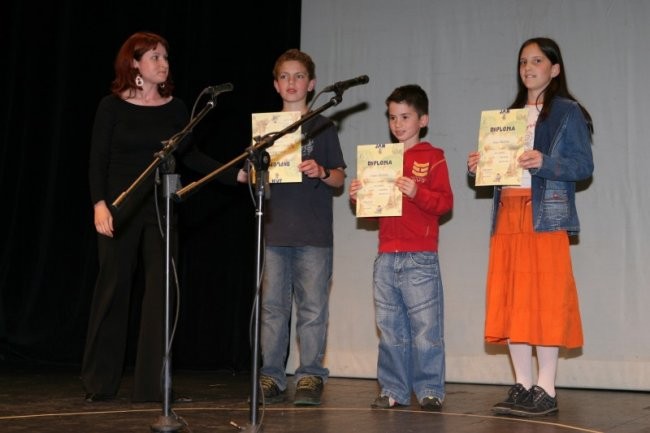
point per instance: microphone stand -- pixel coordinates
(260, 159)
(166, 422)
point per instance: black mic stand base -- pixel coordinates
(253, 428)
(166, 424)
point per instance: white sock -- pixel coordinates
(522, 362)
(547, 366)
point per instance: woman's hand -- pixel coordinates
(103, 219)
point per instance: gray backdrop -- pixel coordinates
(463, 53)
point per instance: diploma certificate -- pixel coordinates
(378, 166)
(285, 152)
(501, 140)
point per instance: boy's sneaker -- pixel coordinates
(431, 403)
(270, 391)
(537, 403)
(516, 394)
(383, 402)
(308, 391)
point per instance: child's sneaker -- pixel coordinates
(431, 403)
(383, 402)
(270, 391)
(516, 394)
(537, 403)
(308, 391)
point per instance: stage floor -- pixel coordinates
(50, 399)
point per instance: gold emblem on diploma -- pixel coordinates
(501, 140)
(378, 166)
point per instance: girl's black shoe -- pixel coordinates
(538, 403)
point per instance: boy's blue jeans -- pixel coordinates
(409, 312)
(303, 274)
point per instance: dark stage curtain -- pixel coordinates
(57, 64)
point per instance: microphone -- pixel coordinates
(341, 86)
(221, 88)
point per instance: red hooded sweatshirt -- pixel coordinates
(417, 228)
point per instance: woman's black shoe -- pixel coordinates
(92, 397)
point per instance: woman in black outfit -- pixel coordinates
(130, 125)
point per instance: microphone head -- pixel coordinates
(215, 90)
(341, 86)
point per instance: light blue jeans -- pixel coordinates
(302, 274)
(409, 312)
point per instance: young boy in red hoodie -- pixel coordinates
(407, 286)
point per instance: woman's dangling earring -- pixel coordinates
(139, 81)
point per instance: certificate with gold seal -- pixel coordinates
(378, 166)
(501, 140)
(285, 152)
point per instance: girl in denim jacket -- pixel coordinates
(531, 298)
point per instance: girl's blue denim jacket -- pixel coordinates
(564, 140)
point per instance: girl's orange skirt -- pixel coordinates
(531, 293)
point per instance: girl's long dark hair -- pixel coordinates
(557, 86)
